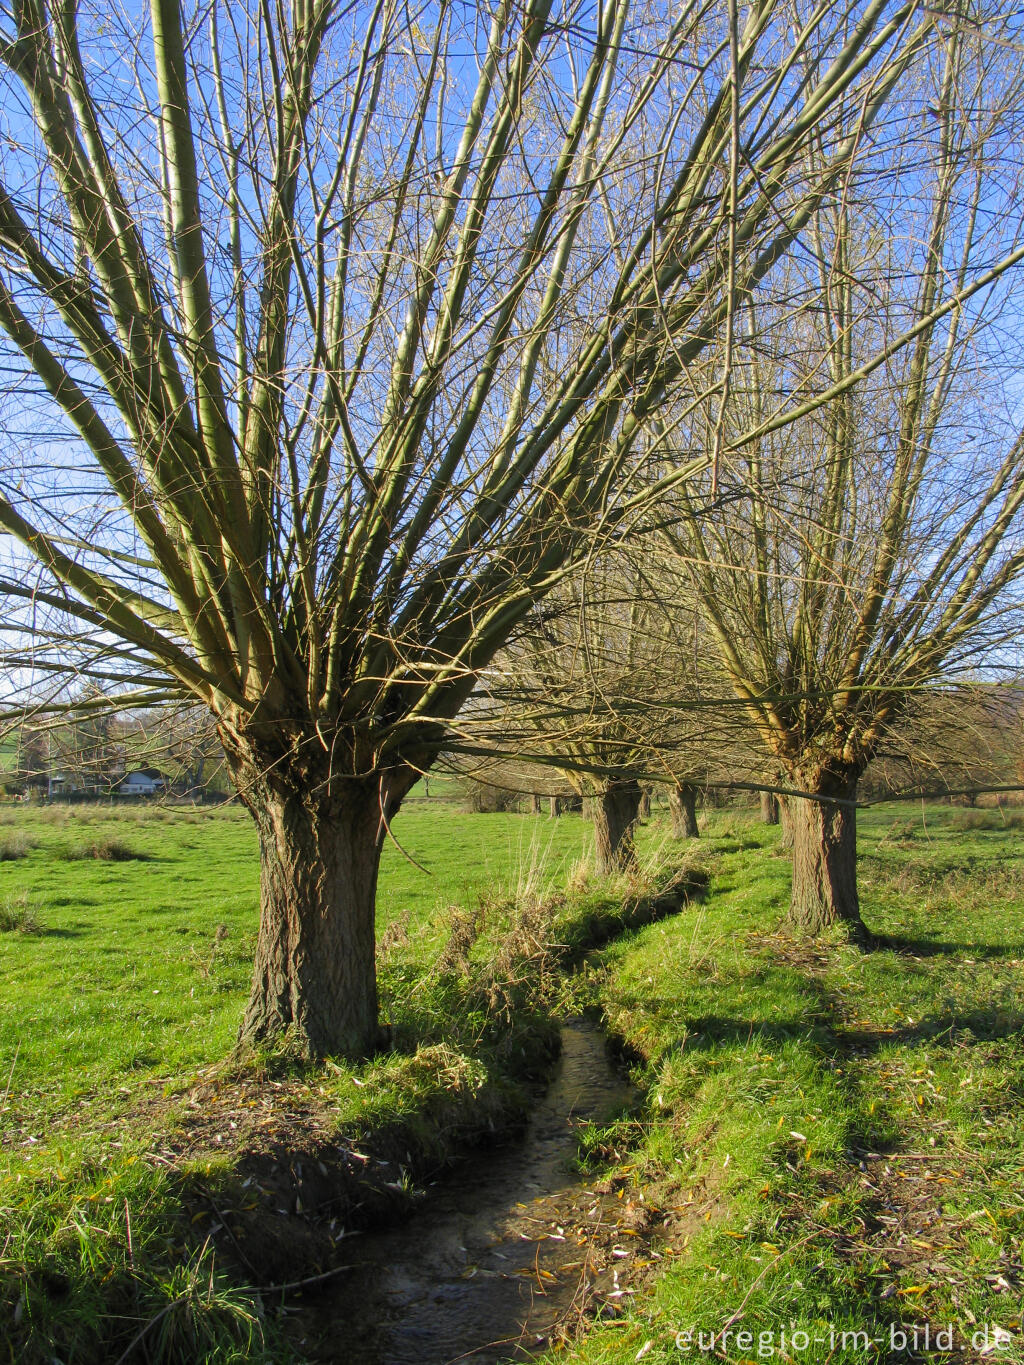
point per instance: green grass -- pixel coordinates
(838, 1132)
(835, 1134)
(124, 979)
(138, 968)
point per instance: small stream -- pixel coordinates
(498, 1255)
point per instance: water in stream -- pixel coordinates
(499, 1253)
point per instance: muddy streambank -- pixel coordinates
(288, 1187)
(292, 1200)
(512, 1251)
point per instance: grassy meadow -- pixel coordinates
(830, 1137)
(131, 930)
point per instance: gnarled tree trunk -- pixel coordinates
(769, 808)
(824, 892)
(314, 977)
(615, 810)
(682, 802)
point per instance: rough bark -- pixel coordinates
(314, 978)
(615, 811)
(824, 894)
(645, 803)
(785, 822)
(534, 804)
(769, 808)
(554, 806)
(682, 803)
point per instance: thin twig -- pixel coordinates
(128, 1233)
(743, 1302)
(300, 1284)
(224, 1222)
(146, 1327)
(10, 1077)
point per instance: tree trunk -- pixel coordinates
(534, 804)
(615, 812)
(825, 859)
(786, 821)
(682, 802)
(554, 806)
(314, 981)
(314, 977)
(645, 803)
(769, 808)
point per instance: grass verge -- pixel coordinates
(833, 1137)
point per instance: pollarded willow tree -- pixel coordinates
(876, 543)
(611, 680)
(958, 740)
(566, 690)
(330, 330)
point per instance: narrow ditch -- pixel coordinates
(506, 1254)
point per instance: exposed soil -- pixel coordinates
(293, 1185)
(493, 1259)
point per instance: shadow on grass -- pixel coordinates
(711, 1031)
(936, 947)
(956, 1029)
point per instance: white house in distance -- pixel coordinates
(142, 782)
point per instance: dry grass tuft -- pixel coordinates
(14, 847)
(19, 915)
(464, 928)
(108, 851)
